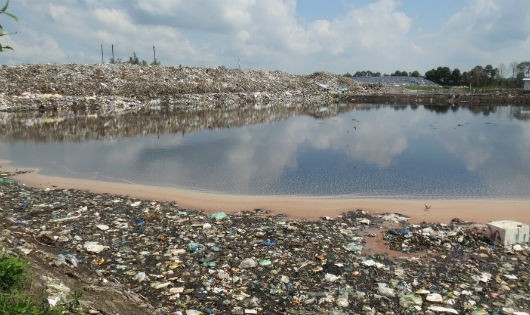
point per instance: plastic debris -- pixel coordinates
(218, 216)
(94, 247)
(434, 297)
(248, 263)
(184, 260)
(102, 227)
(440, 309)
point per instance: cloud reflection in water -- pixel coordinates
(379, 152)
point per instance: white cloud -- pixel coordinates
(33, 47)
(114, 19)
(485, 32)
(270, 34)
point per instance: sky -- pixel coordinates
(296, 36)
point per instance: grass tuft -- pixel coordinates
(13, 301)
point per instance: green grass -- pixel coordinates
(12, 273)
(13, 300)
(466, 89)
(430, 88)
(16, 303)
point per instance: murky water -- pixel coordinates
(379, 152)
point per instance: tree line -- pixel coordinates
(479, 76)
(134, 60)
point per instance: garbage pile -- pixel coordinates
(448, 237)
(124, 87)
(185, 261)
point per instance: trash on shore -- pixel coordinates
(185, 261)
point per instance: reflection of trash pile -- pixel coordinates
(187, 262)
(128, 87)
(53, 126)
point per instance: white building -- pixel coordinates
(526, 85)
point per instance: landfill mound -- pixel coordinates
(122, 87)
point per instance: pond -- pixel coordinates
(369, 151)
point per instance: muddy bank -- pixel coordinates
(440, 210)
(517, 98)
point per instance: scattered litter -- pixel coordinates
(185, 261)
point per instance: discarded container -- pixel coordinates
(94, 247)
(324, 87)
(508, 232)
(218, 216)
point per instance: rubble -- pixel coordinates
(183, 261)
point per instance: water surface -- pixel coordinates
(405, 152)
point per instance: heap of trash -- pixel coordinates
(185, 261)
(117, 88)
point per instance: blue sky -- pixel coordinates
(298, 36)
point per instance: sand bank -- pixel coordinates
(441, 210)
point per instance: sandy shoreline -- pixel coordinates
(441, 210)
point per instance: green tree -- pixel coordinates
(415, 74)
(398, 73)
(3, 10)
(367, 73)
(444, 73)
(456, 77)
(476, 77)
(523, 69)
(440, 75)
(491, 73)
(134, 60)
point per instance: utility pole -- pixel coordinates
(154, 54)
(102, 62)
(112, 46)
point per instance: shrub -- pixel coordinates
(12, 273)
(12, 281)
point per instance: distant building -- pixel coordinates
(526, 85)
